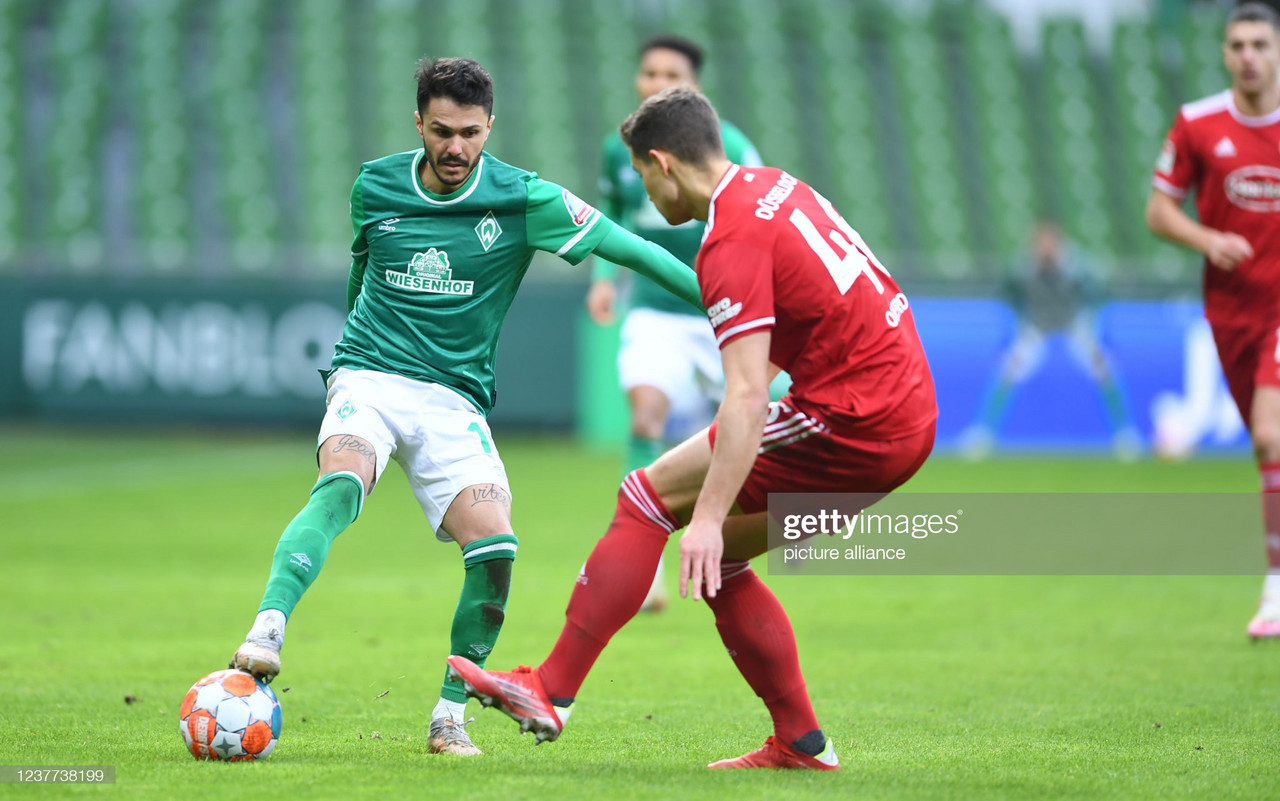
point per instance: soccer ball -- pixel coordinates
(230, 715)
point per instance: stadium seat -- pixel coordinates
(1006, 182)
(1143, 111)
(10, 133)
(247, 171)
(848, 167)
(324, 97)
(162, 204)
(932, 162)
(73, 159)
(1074, 141)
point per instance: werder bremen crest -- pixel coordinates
(429, 272)
(488, 231)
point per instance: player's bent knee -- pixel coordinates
(1266, 442)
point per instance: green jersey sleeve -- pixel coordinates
(359, 244)
(650, 260)
(611, 203)
(558, 222)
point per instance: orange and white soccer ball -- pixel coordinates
(229, 715)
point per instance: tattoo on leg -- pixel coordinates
(349, 443)
(490, 494)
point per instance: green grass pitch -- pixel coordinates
(131, 564)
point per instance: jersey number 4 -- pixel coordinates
(846, 256)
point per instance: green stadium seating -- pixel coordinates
(396, 43)
(224, 136)
(11, 20)
(932, 165)
(161, 200)
(247, 166)
(74, 155)
(1079, 193)
(323, 94)
(1143, 109)
(1006, 185)
(1201, 50)
(846, 165)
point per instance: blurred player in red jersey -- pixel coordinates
(788, 284)
(1227, 148)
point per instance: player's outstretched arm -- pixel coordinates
(620, 246)
(739, 427)
(1166, 219)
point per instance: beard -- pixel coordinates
(449, 161)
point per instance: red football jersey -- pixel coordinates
(776, 255)
(1233, 164)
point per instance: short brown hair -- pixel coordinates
(678, 120)
(1254, 12)
(461, 80)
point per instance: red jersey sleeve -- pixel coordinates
(737, 288)
(1176, 170)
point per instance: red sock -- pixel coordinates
(757, 632)
(1271, 512)
(612, 585)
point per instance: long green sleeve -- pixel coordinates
(355, 279)
(620, 246)
(612, 206)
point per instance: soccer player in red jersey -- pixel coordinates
(1227, 148)
(788, 284)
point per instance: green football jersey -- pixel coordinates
(437, 273)
(622, 198)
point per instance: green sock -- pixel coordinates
(335, 503)
(1117, 407)
(641, 452)
(993, 406)
(482, 605)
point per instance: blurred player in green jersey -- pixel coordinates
(1056, 292)
(668, 361)
(443, 237)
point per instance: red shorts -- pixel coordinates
(798, 454)
(1249, 360)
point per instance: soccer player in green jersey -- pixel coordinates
(443, 236)
(668, 360)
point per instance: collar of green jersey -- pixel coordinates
(461, 193)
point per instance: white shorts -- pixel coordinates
(439, 438)
(677, 353)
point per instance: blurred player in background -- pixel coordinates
(443, 237)
(787, 284)
(1055, 292)
(1226, 147)
(667, 360)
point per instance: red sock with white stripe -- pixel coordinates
(757, 633)
(611, 586)
(1270, 472)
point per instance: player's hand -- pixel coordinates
(1227, 250)
(600, 300)
(701, 547)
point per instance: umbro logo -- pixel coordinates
(301, 560)
(1225, 148)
